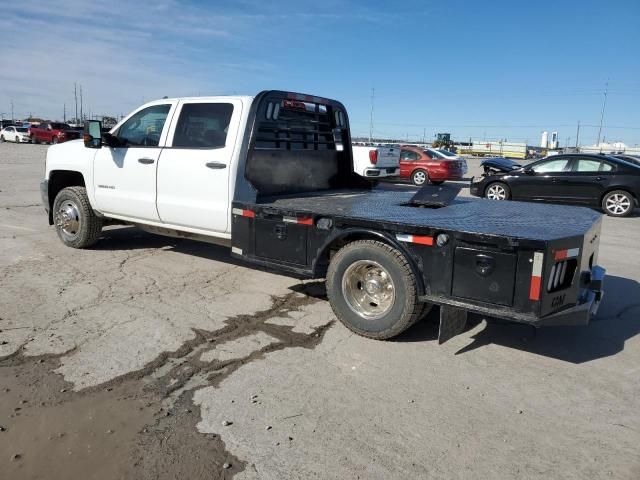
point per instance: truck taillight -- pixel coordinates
(373, 156)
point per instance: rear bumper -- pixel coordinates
(381, 172)
(586, 308)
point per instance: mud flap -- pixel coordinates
(452, 322)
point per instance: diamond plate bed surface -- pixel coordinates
(524, 220)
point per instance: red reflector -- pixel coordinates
(534, 290)
(305, 221)
(248, 213)
(422, 240)
(373, 156)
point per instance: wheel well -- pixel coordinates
(59, 179)
(324, 256)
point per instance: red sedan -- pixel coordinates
(422, 165)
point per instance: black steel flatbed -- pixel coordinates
(516, 220)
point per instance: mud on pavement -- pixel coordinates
(142, 424)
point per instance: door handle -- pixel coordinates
(216, 165)
(146, 160)
(599, 179)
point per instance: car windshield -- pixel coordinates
(22, 129)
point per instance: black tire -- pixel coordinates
(618, 203)
(34, 141)
(497, 187)
(54, 140)
(437, 182)
(419, 177)
(71, 204)
(1, 138)
(404, 310)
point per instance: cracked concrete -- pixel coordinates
(160, 340)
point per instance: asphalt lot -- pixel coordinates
(152, 357)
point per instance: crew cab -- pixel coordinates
(53, 132)
(272, 178)
(376, 161)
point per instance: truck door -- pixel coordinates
(194, 169)
(125, 177)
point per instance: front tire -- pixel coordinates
(618, 203)
(419, 177)
(372, 290)
(76, 223)
(54, 140)
(1, 138)
(497, 191)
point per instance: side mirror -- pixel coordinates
(528, 170)
(92, 134)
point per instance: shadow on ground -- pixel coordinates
(618, 319)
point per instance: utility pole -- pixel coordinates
(373, 92)
(81, 114)
(12, 119)
(578, 134)
(604, 103)
(424, 135)
(64, 112)
(75, 95)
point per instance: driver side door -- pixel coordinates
(124, 177)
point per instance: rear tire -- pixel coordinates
(419, 177)
(618, 203)
(76, 223)
(1, 138)
(497, 191)
(372, 290)
(54, 140)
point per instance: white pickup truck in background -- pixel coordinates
(376, 161)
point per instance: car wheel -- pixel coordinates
(497, 191)
(437, 182)
(419, 177)
(372, 289)
(618, 203)
(34, 141)
(54, 140)
(76, 223)
(1, 138)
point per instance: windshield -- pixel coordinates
(22, 129)
(434, 153)
(447, 153)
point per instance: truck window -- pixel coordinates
(144, 128)
(203, 125)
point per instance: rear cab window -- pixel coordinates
(202, 125)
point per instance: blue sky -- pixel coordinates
(491, 70)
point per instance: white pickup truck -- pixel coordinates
(376, 161)
(273, 178)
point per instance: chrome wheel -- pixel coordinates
(67, 218)
(496, 192)
(368, 289)
(618, 204)
(419, 177)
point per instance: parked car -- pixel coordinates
(376, 161)
(592, 180)
(428, 165)
(15, 134)
(635, 159)
(53, 132)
